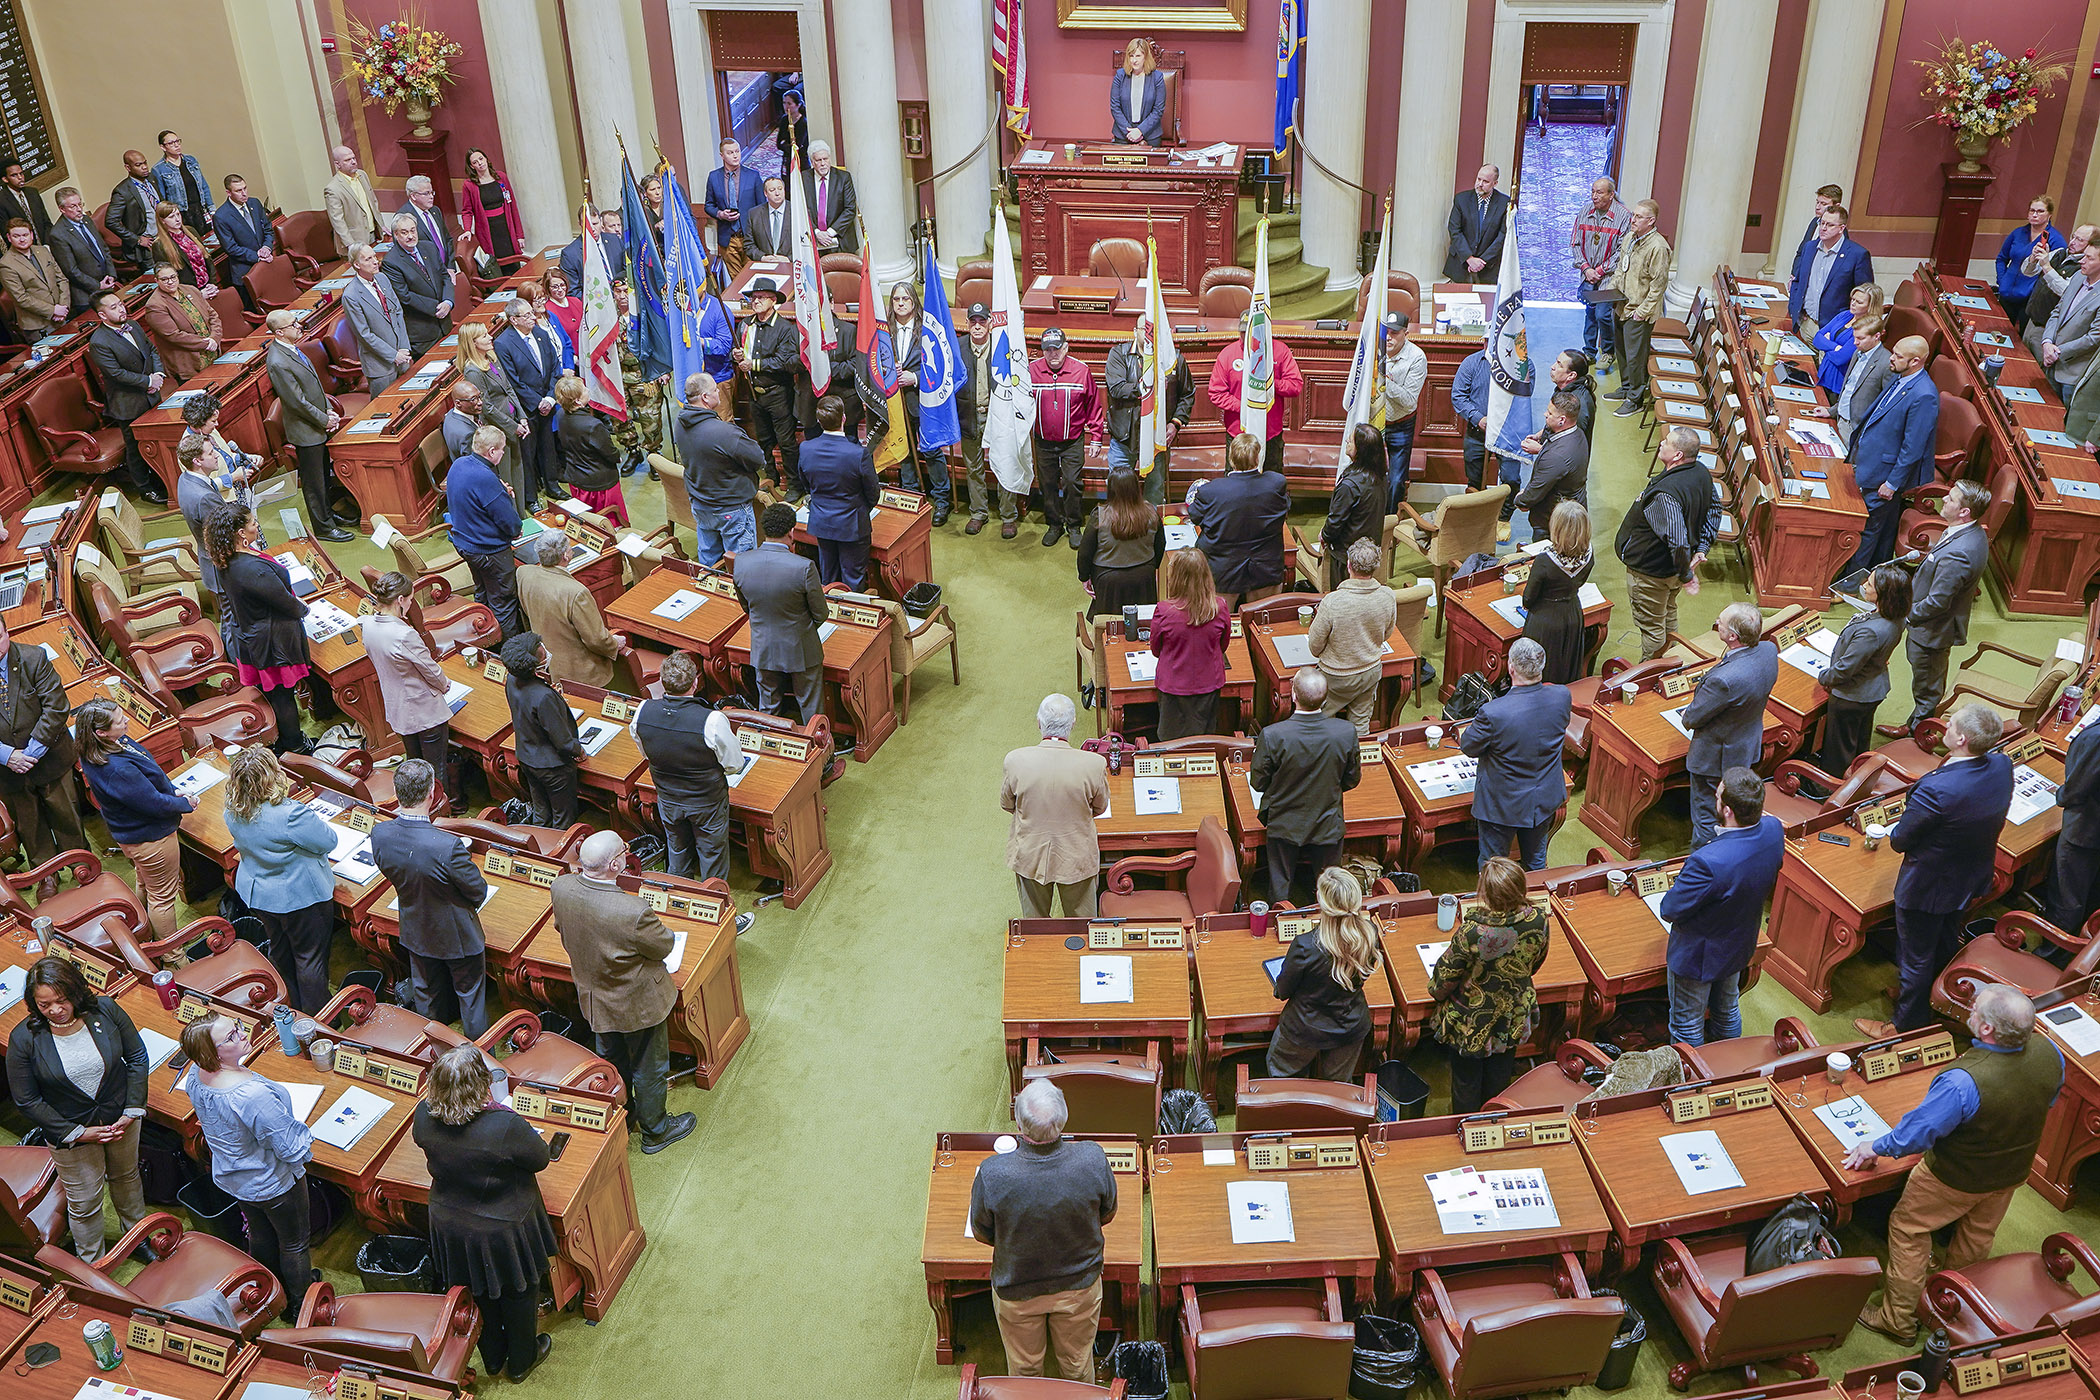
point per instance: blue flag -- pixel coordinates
(942, 369)
(645, 279)
(699, 331)
(1290, 69)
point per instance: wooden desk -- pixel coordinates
(1372, 813)
(482, 725)
(616, 766)
(276, 1363)
(954, 1259)
(1396, 674)
(15, 1323)
(1124, 690)
(87, 676)
(1069, 204)
(860, 696)
(1238, 997)
(703, 631)
(1621, 1140)
(340, 660)
(1402, 1154)
(2072, 1132)
(779, 804)
(900, 541)
(1477, 638)
(2078, 1383)
(70, 1308)
(1042, 989)
(46, 570)
(517, 910)
(1800, 1095)
(357, 1170)
(589, 1194)
(1407, 921)
(1124, 830)
(1192, 1229)
(1635, 753)
(1622, 944)
(599, 566)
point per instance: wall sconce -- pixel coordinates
(914, 127)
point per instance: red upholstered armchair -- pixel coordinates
(188, 1263)
(32, 1207)
(1584, 691)
(70, 428)
(1105, 1092)
(1509, 1329)
(542, 1057)
(1723, 1059)
(432, 1334)
(232, 971)
(1210, 886)
(78, 911)
(2003, 957)
(356, 1013)
(1261, 1343)
(2014, 1292)
(1558, 1083)
(976, 1387)
(1734, 1318)
(1283, 1105)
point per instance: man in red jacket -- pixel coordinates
(1225, 381)
(1069, 410)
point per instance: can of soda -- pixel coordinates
(103, 1344)
(164, 987)
(1258, 918)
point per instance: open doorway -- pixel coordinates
(1572, 120)
(753, 106)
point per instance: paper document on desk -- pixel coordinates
(1992, 338)
(677, 953)
(355, 862)
(37, 515)
(1676, 717)
(679, 605)
(102, 1388)
(1759, 289)
(2049, 437)
(1445, 777)
(1105, 977)
(1674, 408)
(324, 620)
(1294, 649)
(1815, 490)
(1590, 595)
(158, 1048)
(2074, 1027)
(1142, 665)
(1793, 393)
(595, 735)
(353, 1115)
(1261, 1212)
(1967, 303)
(266, 1390)
(2020, 393)
(1851, 1121)
(1788, 345)
(1040, 157)
(456, 695)
(750, 761)
(1803, 657)
(2075, 490)
(2033, 795)
(1674, 365)
(1510, 609)
(1702, 1163)
(1462, 1203)
(200, 779)
(12, 981)
(2070, 649)
(1807, 431)
(1180, 535)
(825, 629)
(370, 427)
(1154, 797)
(1429, 953)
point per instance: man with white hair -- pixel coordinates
(377, 321)
(1042, 1207)
(433, 229)
(353, 210)
(617, 948)
(1978, 1126)
(569, 620)
(1727, 714)
(1348, 638)
(834, 208)
(1055, 793)
(1516, 739)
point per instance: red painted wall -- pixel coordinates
(1767, 178)
(663, 85)
(1231, 91)
(469, 109)
(1472, 119)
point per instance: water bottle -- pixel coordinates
(287, 1037)
(1932, 1358)
(1115, 755)
(42, 928)
(1258, 918)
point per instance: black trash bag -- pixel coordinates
(1472, 691)
(1405, 881)
(1388, 1358)
(517, 812)
(1142, 1367)
(1625, 1347)
(164, 1168)
(649, 852)
(1796, 1233)
(1183, 1111)
(395, 1264)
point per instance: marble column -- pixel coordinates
(1432, 90)
(1734, 61)
(604, 101)
(961, 107)
(1337, 88)
(1830, 115)
(525, 116)
(873, 148)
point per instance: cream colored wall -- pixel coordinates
(270, 49)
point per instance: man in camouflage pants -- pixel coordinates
(643, 432)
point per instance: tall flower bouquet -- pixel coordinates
(1980, 92)
(402, 63)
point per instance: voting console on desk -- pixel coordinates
(1411, 942)
(1061, 992)
(1372, 815)
(1491, 1186)
(1282, 648)
(1620, 940)
(2045, 1364)
(345, 1378)
(958, 1263)
(516, 907)
(1888, 1079)
(2070, 1018)
(163, 1355)
(1234, 1206)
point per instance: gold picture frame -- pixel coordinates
(1216, 17)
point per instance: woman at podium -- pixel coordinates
(1137, 97)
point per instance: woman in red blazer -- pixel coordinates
(492, 209)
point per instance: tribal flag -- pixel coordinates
(1290, 69)
(1363, 398)
(1010, 60)
(691, 312)
(867, 331)
(942, 368)
(645, 279)
(598, 350)
(820, 334)
(1257, 352)
(1007, 405)
(1509, 362)
(1160, 359)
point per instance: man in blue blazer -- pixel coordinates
(606, 225)
(732, 189)
(1727, 714)
(840, 474)
(1517, 740)
(532, 359)
(1892, 451)
(1825, 272)
(243, 226)
(441, 891)
(1948, 835)
(1714, 907)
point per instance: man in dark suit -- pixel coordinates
(1942, 594)
(1825, 272)
(129, 370)
(768, 234)
(1302, 766)
(1560, 470)
(605, 226)
(244, 230)
(433, 230)
(81, 253)
(1727, 714)
(532, 362)
(780, 590)
(19, 201)
(834, 209)
(1948, 835)
(1517, 739)
(441, 891)
(2071, 899)
(843, 489)
(130, 214)
(462, 419)
(1714, 907)
(1892, 451)
(1239, 518)
(307, 417)
(733, 191)
(1479, 221)
(36, 756)
(419, 278)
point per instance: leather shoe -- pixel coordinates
(1008, 529)
(1053, 535)
(154, 494)
(1874, 1030)
(47, 889)
(1072, 536)
(1874, 1320)
(974, 524)
(1893, 731)
(941, 514)
(677, 1126)
(541, 1347)
(334, 534)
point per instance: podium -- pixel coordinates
(1070, 202)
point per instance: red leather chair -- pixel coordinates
(531, 1052)
(235, 319)
(539, 840)
(32, 1207)
(1397, 284)
(2013, 1292)
(1734, 1318)
(187, 1263)
(71, 429)
(1264, 1343)
(1723, 1059)
(1558, 1083)
(1105, 1092)
(2003, 957)
(231, 971)
(354, 777)
(356, 1013)
(273, 284)
(225, 718)
(976, 1387)
(1286, 1105)
(309, 238)
(77, 912)
(1867, 777)
(431, 1334)
(973, 282)
(1509, 1329)
(1210, 881)
(1224, 291)
(1113, 257)
(175, 650)
(1584, 691)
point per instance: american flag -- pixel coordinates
(1010, 58)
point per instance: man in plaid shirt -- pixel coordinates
(1598, 235)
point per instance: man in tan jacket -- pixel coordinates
(617, 948)
(1055, 792)
(30, 274)
(353, 209)
(1643, 276)
(1349, 635)
(567, 617)
(185, 327)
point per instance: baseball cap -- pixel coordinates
(1396, 320)
(1053, 338)
(980, 312)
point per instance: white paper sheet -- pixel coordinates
(270, 1390)
(1429, 953)
(350, 1117)
(677, 954)
(1967, 303)
(678, 605)
(1701, 1162)
(2069, 489)
(1803, 657)
(1470, 1202)
(2070, 649)
(1294, 649)
(2020, 393)
(456, 694)
(1851, 1121)
(12, 980)
(158, 1047)
(1589, 595)
(1142, 665)
(1180, 535)
(1156, 796)
(2049, 437)
(1105, 977)
(1655, 906)
(37, 515)
(1676, 717)
(1261, 1212)
(1510, 608)
(324, 620)
(1808, 430)
(2074, 1027)
(2033, 795)
(1813, 490)
(1793, 393)
(1219, 1156)
(825, 629)
(1445, 777)
(1823, 639)
(200, 779)
(595, 734)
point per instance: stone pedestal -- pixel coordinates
(427, 156)
(1961, 205)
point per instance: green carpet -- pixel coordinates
(784, 1235)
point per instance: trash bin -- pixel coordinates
(1401, 1092)
(1387, 1360)
(1625, 1347)
(1183, 1111)
(1142, 1367)
(395, 1264)
(921, 599)
(219, 1213)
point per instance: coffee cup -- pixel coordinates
(1874, 834)
(1071, 150)
(1615, 881)
(1435, 735)
(1305, 616)
(1909, 1385)
(1509, 581)
(1839, 1064)
(1629, 692)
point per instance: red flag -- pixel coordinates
(870, 327)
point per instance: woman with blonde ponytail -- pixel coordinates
(1321, 985)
